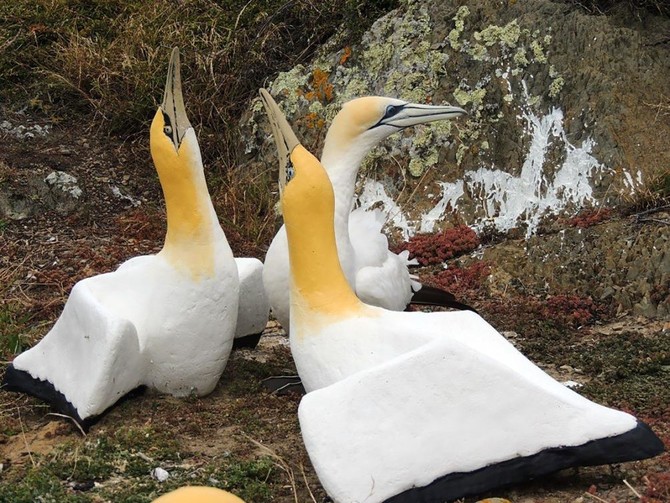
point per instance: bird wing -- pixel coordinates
(382, 277)
(88, 344)
(276, 277)
(454, 412)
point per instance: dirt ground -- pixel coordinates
(240, 437)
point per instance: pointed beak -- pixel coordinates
(284, 136)
(174, 112)
(412, 114)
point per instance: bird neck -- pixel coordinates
(343, 153)
(318, 283)
(193, 230)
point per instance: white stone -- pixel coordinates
(160, 474)
(64, 182)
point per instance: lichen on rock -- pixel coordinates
(503, 65)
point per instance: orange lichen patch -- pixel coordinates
(346, 54)
(322, 90)
(313, 121)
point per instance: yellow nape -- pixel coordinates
(198, 494)
(355, 117)
(318, 284)
(189, 243)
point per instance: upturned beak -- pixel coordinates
(284, 136)
(412, 114)
(174, 112)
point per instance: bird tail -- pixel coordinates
(431, 296)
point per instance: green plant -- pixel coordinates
(439, 247)
(13, 324)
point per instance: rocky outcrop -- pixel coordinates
(565, 113)
(561, 109)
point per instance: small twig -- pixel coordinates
(655, 220)
(304, 477)
(25, 440)
(144, 457)
(653, 210)
(597, 498)
(237, 21)
(637, 494)
(70, 418)
(76, 460)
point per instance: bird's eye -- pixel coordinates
(167, 130)
(392, 110)
(290, 172)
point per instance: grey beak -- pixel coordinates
(285, 138)
(412, 114)
(173, 103)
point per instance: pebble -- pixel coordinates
(159, 474)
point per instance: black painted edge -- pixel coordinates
(637, 443)
(22, 382)
(432, 296)
(247, 341)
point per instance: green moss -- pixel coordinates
(38, 484)
(633, 371)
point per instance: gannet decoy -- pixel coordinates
(412, 406)
(166, 321)
(198, 494)
(379, 276)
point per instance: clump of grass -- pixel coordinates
(111, 57)
(39, 484)
(631, 371)
(12, 325)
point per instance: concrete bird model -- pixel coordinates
(198, 494)
(411, 406)
(167, 320)
(378, 276)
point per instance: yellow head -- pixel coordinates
(198, 494)
(176, 155)
(308, 204)
(364, 122)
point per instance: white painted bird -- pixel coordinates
(198, 494)
(412, 406)
(167, 320)
(379, 276)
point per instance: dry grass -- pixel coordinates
(104, 64)
(661, 7)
